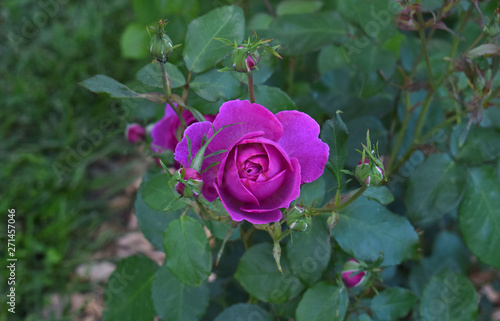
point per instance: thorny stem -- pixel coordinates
(167, 82)
(352, 198)
(186, 89)
(421, 117)
(402, 132)
(250, 87)
(283, 235)
(349, 199)
(167, 87)
(430, 94)
(423, 39)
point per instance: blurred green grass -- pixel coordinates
(45, 115)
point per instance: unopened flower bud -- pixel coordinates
(352, 274)
(297, 220)
(161, 46)
(193, 180)
(244, 60)
(134, 133)
(368, 174)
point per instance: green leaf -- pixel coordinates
(153, 223)
(374, 59)
(151, 75)
(330, 58)
(220, 230)
(158, 195)
(481, 145)
(258, 21)
(449, 297)
(303, 33)
(309, 252)
(243, 311)
(393, 303)
(146, 11)
(488, 49)
(435, 188)
(273, 98)
(449, 252)
(259, 276)
(323, 302)
(128, 294)
(366, 228)
(313, 192)
(187, 251)
(202, 51)
(134, 41)
(382, 194)
(175, 301)
(297, 7)
(335, 134)
(213, 85)
(479, 214)
(105, 84)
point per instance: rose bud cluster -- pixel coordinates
(368, 173)
(353, 274)
(135, 132)
(189, 183)
(298, 220)
(255, 161)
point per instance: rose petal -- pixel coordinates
(163, 134)
(264, 189)
(288, 192)
(300, 140)
(195, 132)
(249, 150)
(244, 118)
(163, 131)
(234, 210)
(210, 176)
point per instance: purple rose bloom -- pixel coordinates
(267, 158)
(163, 132)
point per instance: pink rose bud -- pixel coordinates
(351, 274)
(369, 174)
(192, 178)
(135, 133)
(252, 61)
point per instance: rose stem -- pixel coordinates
(250, 87)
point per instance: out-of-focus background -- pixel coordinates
(71, 181)
(67, 168)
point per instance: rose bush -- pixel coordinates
(265, 158)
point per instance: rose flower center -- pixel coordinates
(250, 170)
